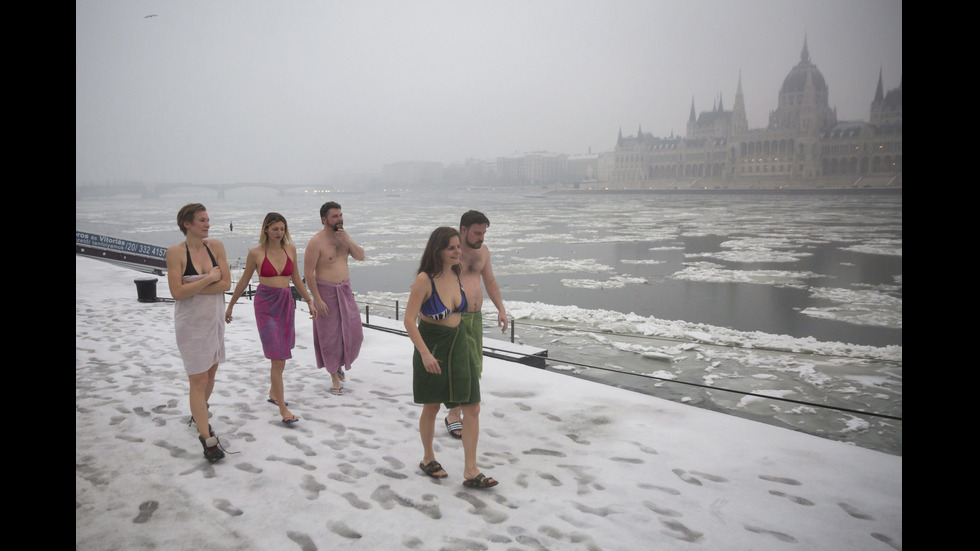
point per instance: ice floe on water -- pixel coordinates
(647, 261)
(549, 265)
(613, 322)
(716, 273)
(890, 246)
(858, 306)
(614, 282)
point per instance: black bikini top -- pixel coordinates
(190, 270)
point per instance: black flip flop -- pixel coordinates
(454, 427)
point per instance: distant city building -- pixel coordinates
(803, 145)
(535, 169)
(472, 172)
(412, 174)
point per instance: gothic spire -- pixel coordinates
(738, 110)
(880, 92)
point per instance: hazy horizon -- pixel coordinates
(223, 91)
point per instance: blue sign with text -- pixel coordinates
(121, 245)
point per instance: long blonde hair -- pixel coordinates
(271, 219)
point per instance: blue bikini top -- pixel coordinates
(435, 309)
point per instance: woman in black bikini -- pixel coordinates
(198, 275)
(442, 372)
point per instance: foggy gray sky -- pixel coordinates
(294, 91)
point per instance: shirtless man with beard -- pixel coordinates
(475, 264)
(337, 331)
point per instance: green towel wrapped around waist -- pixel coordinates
(458, 383)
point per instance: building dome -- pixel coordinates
(805, 71)
(804, 99)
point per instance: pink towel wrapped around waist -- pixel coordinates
(337, 337)
(275, 315)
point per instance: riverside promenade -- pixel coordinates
(581, 465)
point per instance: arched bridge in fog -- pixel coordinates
(150, 190)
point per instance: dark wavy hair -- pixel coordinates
(431, 263)
(471, 217)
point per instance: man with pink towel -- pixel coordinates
(337, 332)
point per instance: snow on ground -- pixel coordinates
(581, 465)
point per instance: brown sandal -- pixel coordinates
(480, 481)
(433, 467)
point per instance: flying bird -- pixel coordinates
(151, 15)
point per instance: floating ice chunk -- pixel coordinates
(892, 247)
(855, 424)
(614, 282)
(715, 273)
(861, 307)
(550, 264)
(750, 400)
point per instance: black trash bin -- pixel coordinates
(146, 289)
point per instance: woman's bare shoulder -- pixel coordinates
(421, 279)
(215, 244)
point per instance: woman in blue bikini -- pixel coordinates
(442, 371)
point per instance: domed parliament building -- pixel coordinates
(804, 145)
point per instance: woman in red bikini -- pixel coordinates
(275, 261)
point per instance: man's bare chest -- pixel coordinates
(332, 252)
(472, 265)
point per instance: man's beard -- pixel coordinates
(472, 245)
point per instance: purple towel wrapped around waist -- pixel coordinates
(337, 337)
(275, 314)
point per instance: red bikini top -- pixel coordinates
(268, 270)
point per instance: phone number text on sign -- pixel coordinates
(116, 244)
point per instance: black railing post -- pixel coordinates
(367, 314)
(512, 331)
(396, 310)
